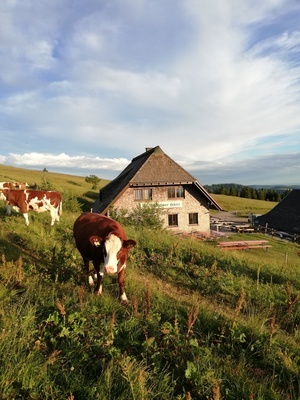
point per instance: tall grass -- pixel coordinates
(200, 324)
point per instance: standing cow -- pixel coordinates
(37, 200)
(102, 240)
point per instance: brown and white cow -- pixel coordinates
(37, 200)
(102, 240)
(10, 185)
(6, 185)
(13, 185)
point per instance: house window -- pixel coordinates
(176, 191)
(173, 219)
(193, 218)
(143, 194)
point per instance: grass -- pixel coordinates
(70, 185)
(201, 323)
(242, 206)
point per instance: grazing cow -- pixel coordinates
(102, 240)
(6, 185)
(37, 200)
(13, 185)
(21, 186)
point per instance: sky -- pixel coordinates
(86, 86)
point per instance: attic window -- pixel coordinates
(175, 192)
(142, 194)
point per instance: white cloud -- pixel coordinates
(65, 161)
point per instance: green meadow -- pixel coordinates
(201, 323)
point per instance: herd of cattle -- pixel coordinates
(98, 238)
(17, 196)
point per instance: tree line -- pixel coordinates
(248, 192)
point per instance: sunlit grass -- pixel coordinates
(242, 206)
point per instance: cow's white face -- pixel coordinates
(111, 248)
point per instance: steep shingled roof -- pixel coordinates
(285, 216)
(151, 168)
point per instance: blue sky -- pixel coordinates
(87, 86)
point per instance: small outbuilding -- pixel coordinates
(285, 216)
(153, 177)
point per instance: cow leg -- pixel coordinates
(89, 275)
(26, 218)
(8, 209)
(121, 281)
(54, 216)
(98, 288)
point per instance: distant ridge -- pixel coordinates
(275, 187)
(279, 187)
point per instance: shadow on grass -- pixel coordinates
(10, 251)
(88, 200)
(91, 195)
(14, 247)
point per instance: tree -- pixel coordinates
(262, 194)
(94, 180)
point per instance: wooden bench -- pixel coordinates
(244, 244)
(242, 228)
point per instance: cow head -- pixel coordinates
(20, 185)
(3, 194)
(114, 251)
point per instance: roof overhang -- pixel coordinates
(211, 201)
(137, 184)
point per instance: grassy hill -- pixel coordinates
(78, 186)
(201, 323)
(243, 206)
(68, 184)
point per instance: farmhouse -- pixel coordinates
(285, 216)
(153, 177)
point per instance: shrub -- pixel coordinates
(45, 184)
(145, 215)
(71, 203)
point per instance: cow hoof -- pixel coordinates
(91, 281)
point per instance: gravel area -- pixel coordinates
(229, 217)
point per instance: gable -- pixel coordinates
(151, 168)
(160, 169)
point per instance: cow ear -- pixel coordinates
(129, 244)
(95, 240)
